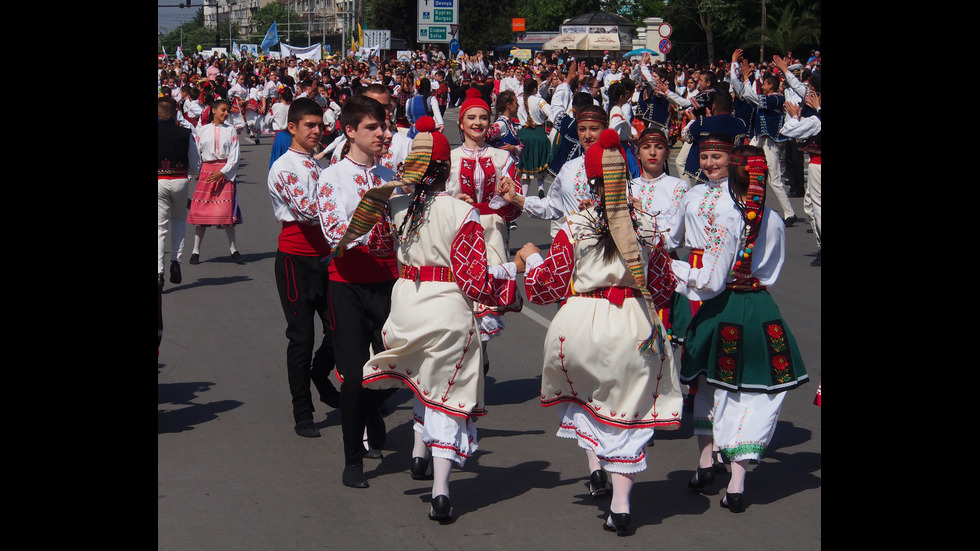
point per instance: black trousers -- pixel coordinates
(302, 283)
(358, 311)
(794, 165)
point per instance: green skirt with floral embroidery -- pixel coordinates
(741, 343)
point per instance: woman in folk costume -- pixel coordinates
(253, 108)
(655, 191)
(503, 132)
(215, 200)
(737, 344)
(238, 95)
(533, 114)
(476, 171)
(277, 120)
(431, 335)
(607, 363)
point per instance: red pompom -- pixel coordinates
(609, 139)
(473, 93)
(425, 124)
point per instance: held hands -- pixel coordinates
(520, 259)
(507, 189)
(464, 197)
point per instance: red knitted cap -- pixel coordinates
(440, 145)
(609, 139)
(473, 99)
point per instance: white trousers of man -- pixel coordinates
(776, 189)
(811, 199)
(171, 217)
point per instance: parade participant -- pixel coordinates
(191, 105)
(654, 191)
(533, 113)
(253, 108)
(360, 284)
(618, 98)
(431, 332)
(301, 277)
(561, 97)
(803, 124)
(570, 191)
(652, 108)
(422, 104)
(696, 103)
(215, 200)
(765, 130)
(395, 150)
(238, 96)
(610, 378)
(721, 119)
(177, 159)
(737, 342)
(277, 119)
(503, 132)
(564, 135)
(476, 170)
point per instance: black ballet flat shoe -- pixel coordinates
(733, 502)
(419, 467)
(195, 258)
(706, 477)
(719, 463)
(620, 524)
(237, 257)
(442, 509)
(598, 483)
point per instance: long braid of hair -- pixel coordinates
(415, 215)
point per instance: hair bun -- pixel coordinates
(609, 139)
(425, 124)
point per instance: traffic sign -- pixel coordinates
(665, 29)
(664, 46)
(454, 46)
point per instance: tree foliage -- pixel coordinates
(291, 25)
(785, 32)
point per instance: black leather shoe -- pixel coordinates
(237, 257)
(790, 221)
(620, 524)
(816, 261)
(706, 477)
(195, 259)
(307, 429)
(442, 509)
(175, 272)
(733, 502)
(354, 476)
(598, 483)
(419, 467)
(794, 193)
(372, 453)
(375, 429)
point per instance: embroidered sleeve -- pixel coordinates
(719, 256)
(547, 281)
(330, 208)
(474, 277)
(298, 197)
(494, 134)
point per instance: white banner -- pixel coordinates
(306, 52)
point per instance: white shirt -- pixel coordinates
(568, 190)
(216, 142)
(294, 167)
(561, 101)
(660, 196)
(767, 258)
(539, 110)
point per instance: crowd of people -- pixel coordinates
(376, 206)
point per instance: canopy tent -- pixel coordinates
(603, 41)
(574, 41)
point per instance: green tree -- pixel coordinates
(785, 32)
(290, 25)
(398, 16)
(548, 15)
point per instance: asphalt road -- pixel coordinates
(232, 474)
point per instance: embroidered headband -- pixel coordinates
(737, 160)
(655, 137)
(592, 116)
(716, 146)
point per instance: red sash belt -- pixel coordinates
(615, 295)
(815, 159)
(747, 284)
(428, 273)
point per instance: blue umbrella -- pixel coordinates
(641, 51)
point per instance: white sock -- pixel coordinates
(737, 483)
(622, 485)
(440, 473)
(593, 461)
(198, 237)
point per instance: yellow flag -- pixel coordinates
(360, 36)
